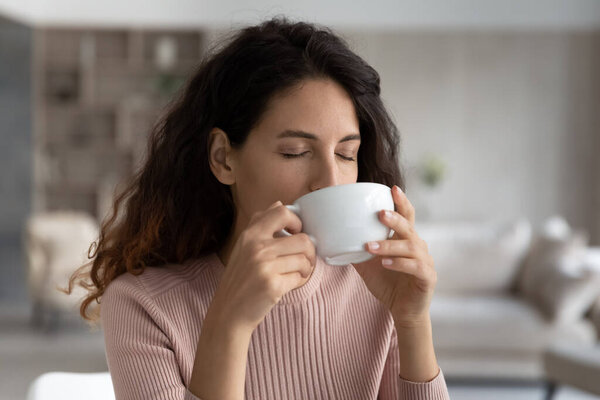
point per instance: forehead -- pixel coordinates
(318, 106)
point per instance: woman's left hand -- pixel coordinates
(406, 285)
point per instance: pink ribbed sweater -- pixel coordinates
(329, 339)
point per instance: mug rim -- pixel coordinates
(329, 188)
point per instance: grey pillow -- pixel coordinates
(553, 278)
(545, 253)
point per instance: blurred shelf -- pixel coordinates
(98, 93)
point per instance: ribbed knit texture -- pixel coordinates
(329, 339)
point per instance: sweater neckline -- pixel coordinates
(294, 296)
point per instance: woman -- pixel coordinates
(200, 300)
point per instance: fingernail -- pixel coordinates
(387, 214)
(373, 245)
(386, 261)
(398, 189)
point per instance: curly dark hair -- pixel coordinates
(174, 208)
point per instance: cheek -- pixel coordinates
(261, 184)
(284, 183)
(348, 173)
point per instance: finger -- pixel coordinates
(258, 214)
(277, 203)
(298, 243)
(411, 266)
(397, 222)
(291, 281)
(396, 248)
(265, 224)
(293, 263)
(403, 205)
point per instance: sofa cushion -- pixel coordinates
(546, 253)
(560, 275)
(476, 257)
(489, 323)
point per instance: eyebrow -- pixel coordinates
(307, 135)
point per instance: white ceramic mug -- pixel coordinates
(341, 219)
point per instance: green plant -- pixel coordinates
(433, 170)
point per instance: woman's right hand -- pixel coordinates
(261, 268)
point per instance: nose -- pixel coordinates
(325, 173)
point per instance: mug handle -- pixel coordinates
(296, 210)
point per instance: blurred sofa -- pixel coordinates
(505, 293)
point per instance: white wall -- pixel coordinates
(514, 115)
(528, 14)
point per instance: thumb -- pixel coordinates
(277, 203)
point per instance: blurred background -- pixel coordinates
(498, 106)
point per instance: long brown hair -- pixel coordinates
(174, 208)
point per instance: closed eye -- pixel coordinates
(288, 155)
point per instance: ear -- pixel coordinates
(221, 156)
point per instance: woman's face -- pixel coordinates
(307, 139)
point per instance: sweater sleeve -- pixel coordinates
(393, 387)
(139, 354)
